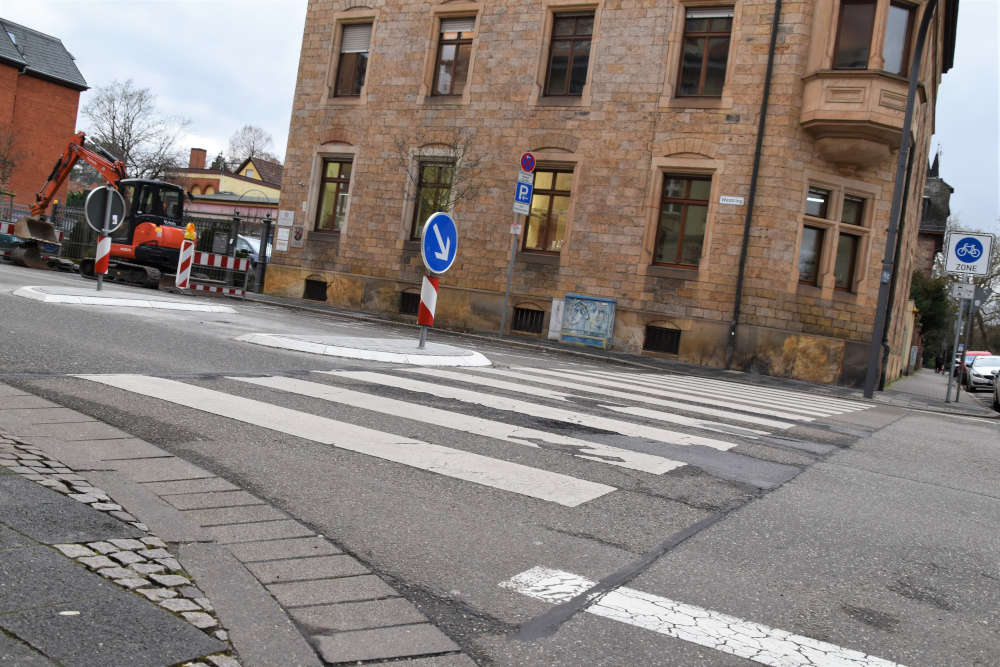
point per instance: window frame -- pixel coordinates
(573, 40)
(552, 8)
(551, 193)
(340, 20)
(871, 34)
(875, 61)
(833, 227)
(416, 225)
(321, 192)
(904, 69)
(704, 59)
(460, 41)
(685, 201)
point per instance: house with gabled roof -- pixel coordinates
(40, 88)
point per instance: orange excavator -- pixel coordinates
(143, 248)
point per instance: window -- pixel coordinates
(854, 34)
(335, 184)
(546, 229)
(832, 217)
(897, 38)
(433, 193)
(809, 255)
(454, 54)
(354, 44)
(569, 54)
(250, 172)
(409, 303)
(662, 339)
(705, 51)
(683, 213)
(857, 25)
(529, 320)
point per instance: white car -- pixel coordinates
(980, 372)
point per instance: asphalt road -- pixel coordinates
(864, 528)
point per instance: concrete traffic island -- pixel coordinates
(392, 350)
(121, 298)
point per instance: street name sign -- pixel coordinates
(969, 253)
(440, 243)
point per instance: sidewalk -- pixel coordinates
(113, 552)
(925, 390)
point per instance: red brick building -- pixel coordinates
(40, 88)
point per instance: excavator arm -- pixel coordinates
(110, 168)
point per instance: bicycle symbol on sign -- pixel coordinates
(970, 250)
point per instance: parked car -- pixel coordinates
(996, 393)
(961, 363)
(251, 246)
(980, 372)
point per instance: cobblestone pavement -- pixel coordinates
(211, 553)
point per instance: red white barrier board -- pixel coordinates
(231, 291)
(221, 261)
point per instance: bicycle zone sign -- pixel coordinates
(969, 253)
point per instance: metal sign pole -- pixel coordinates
(954, 349)
(510, 274)
(104, 233)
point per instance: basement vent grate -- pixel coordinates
(661, 339)
(528, 320)
(315, 290)
(409, 303)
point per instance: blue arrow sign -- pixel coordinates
(440, 243)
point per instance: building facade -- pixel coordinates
(934, 218)
(643, 117)
(40, 88)
(252, 190)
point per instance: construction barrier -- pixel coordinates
(428, 301)
(184, 258)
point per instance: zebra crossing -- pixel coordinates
(645, 423)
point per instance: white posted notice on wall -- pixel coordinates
(286, 219)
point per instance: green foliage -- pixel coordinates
(930, 295)
(77, 199)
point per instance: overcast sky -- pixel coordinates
(224, 63)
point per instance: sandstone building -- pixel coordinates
(643, 117)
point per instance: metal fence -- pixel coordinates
(235, 236)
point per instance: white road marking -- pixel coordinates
(776, 398)
(533, 409)
(579, 384)
(467, 466)
(523, 389)
(721, 632)
(517, 435)
(369, 354)
(798, 396)
(635, 382)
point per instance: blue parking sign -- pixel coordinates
(522, 197)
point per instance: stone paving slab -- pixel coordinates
(202, 485)
(87, 430)
(358, 615)
(277, 549)
(111, 630)
(50, 415)
(191, 501)
(235, 515)
(299, 569)
(26, 401)
(254, 532)
(160, 470)
(384, 643)
(331, 591)
(19, 654)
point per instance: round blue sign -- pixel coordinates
(528, 162)
(969, 250)
(440, 243)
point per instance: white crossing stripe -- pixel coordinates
(518, 435)
(467, 466)
(533, 409)
(704, 627)
(522, 389)
(781, 399)
(633, 382)
(600, 388)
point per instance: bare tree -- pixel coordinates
(251, 141)
(10, 155)
(125, 122)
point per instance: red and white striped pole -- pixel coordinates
(428, 302)
(101, 260)
(184, 261)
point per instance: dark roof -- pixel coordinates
(270, 171)
(39, 54)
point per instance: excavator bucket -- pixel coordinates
(39, 240)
